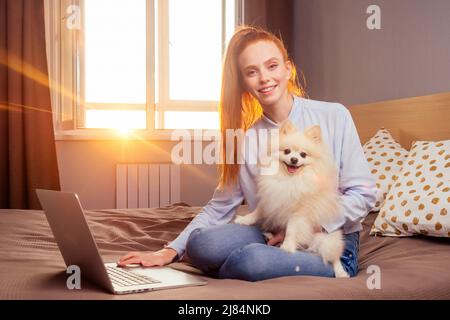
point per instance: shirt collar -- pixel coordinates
(292, 114)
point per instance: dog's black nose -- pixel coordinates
(294, 160)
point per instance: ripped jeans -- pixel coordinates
(235, 251)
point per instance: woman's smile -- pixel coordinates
(267, 90)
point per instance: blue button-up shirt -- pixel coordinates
(356, 184)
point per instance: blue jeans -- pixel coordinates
(235, 251)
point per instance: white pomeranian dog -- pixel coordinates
(301, 196)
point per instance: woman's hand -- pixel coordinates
(277, 239)
(148, 258)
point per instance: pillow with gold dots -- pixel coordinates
(419, 200)
(385, 157)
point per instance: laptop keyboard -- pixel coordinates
(125, 278)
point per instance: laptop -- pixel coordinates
(76, 243)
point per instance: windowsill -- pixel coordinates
(133, 135)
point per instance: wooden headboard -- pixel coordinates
(408, 120)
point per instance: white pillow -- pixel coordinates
(419, 200)
(385, 157)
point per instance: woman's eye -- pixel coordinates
(287, 151)
(273, 66)
(251, 73)
(303, 154)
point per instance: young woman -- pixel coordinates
(260, 89)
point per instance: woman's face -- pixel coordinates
(264, 72)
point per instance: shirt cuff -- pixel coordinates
(178, 248)
(335, 225)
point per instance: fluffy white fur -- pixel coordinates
(301, 196)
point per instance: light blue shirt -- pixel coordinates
(356, 184)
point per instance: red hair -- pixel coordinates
(238, 109)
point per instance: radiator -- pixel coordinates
(147, 185)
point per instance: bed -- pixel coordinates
(410, 268)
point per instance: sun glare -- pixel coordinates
(125, 132)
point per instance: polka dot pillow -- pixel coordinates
(419, 200)
(385, 158)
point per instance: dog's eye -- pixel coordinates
(303, 154)
(287, 151)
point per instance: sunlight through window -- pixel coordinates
(195, 49)
(113, 64)
(118, 119)
(191, 120)
(115, 51)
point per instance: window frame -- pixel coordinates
(64, 58)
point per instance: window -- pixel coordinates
(137, 64)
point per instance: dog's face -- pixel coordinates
(298, 150)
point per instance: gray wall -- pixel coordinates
(346, 62)
(276, 16)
